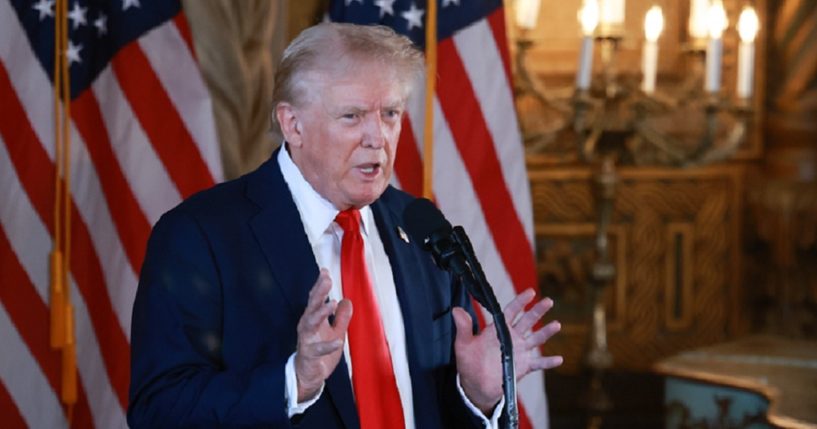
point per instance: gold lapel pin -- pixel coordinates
(402, 234)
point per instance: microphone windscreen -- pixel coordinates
(423, 218)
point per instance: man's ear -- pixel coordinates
(290, 122)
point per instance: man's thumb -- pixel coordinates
(462, 320)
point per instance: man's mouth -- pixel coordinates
(369, 169)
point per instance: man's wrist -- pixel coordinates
(483, 403)
(489, 416)
(307, 393)
(306, 389)
(295, 404)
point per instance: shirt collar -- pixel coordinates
(317, 213)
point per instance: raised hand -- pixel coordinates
(478, 356)
(320, 344)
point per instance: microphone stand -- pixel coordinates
(481, 290)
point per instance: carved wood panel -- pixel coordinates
(675, 242)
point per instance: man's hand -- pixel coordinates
(320, 344)
(478, 356)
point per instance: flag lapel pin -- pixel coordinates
(402, 234)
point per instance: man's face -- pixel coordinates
(347, 135)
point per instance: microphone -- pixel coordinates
(426, 224)
(452, 251)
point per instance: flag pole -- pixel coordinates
(69, 359)
(431, 80)
(57, 287)
(62, 312)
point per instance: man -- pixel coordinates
(231, 327)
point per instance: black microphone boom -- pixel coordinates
(451, 250)
(426, 224)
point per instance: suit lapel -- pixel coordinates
(402, 257)
(282, 237)
(412, 297)
(280, 234)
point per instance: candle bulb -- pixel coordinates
(653, 26)
(611, 16)
(527, 13)
(748, 24)
(698, 28)
(589, 19)
(717, 24)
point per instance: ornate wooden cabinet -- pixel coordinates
(675, 240)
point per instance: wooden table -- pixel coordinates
(783, 371)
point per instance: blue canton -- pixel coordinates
(404, 15)
(97, 29)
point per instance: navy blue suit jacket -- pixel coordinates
(224, 283)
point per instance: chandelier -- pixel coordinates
(692, 123)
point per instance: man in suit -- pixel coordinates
(230, 326)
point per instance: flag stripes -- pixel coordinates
(106, 406)
(22, 376)
(496, 22)
(484, 68)
(32, 247)
(30, 160)
(142, 139)
(408, 167)
(181, 25)
(131, 225)
(9, 411)
(24, 373)
(146, 175)
(474, 141)
(160, 120)
(480, 180)
(169, 52)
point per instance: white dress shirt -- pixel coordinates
(318, 216)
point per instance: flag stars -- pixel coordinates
(45, 7)
(101, 24)
(414, 16)
(386, 7)
(72, 53)
(127, 4)
(348, 2)
(77, 16)
(447, 3)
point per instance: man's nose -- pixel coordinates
(374, 131)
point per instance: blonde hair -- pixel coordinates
(329, 44)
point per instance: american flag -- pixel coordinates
(479, 177)
(142, 139)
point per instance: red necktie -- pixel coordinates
(378, 402)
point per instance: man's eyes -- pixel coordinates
(393, 113)
(389, 114)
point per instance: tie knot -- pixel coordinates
(349, 220)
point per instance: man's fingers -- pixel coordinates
(546, 362)
(541, 336)
(321, 348)
(314, 320)
(462, 320)
(316, 311)
(343, 314)
(517, 304)
(319, 291)
(529, 319)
